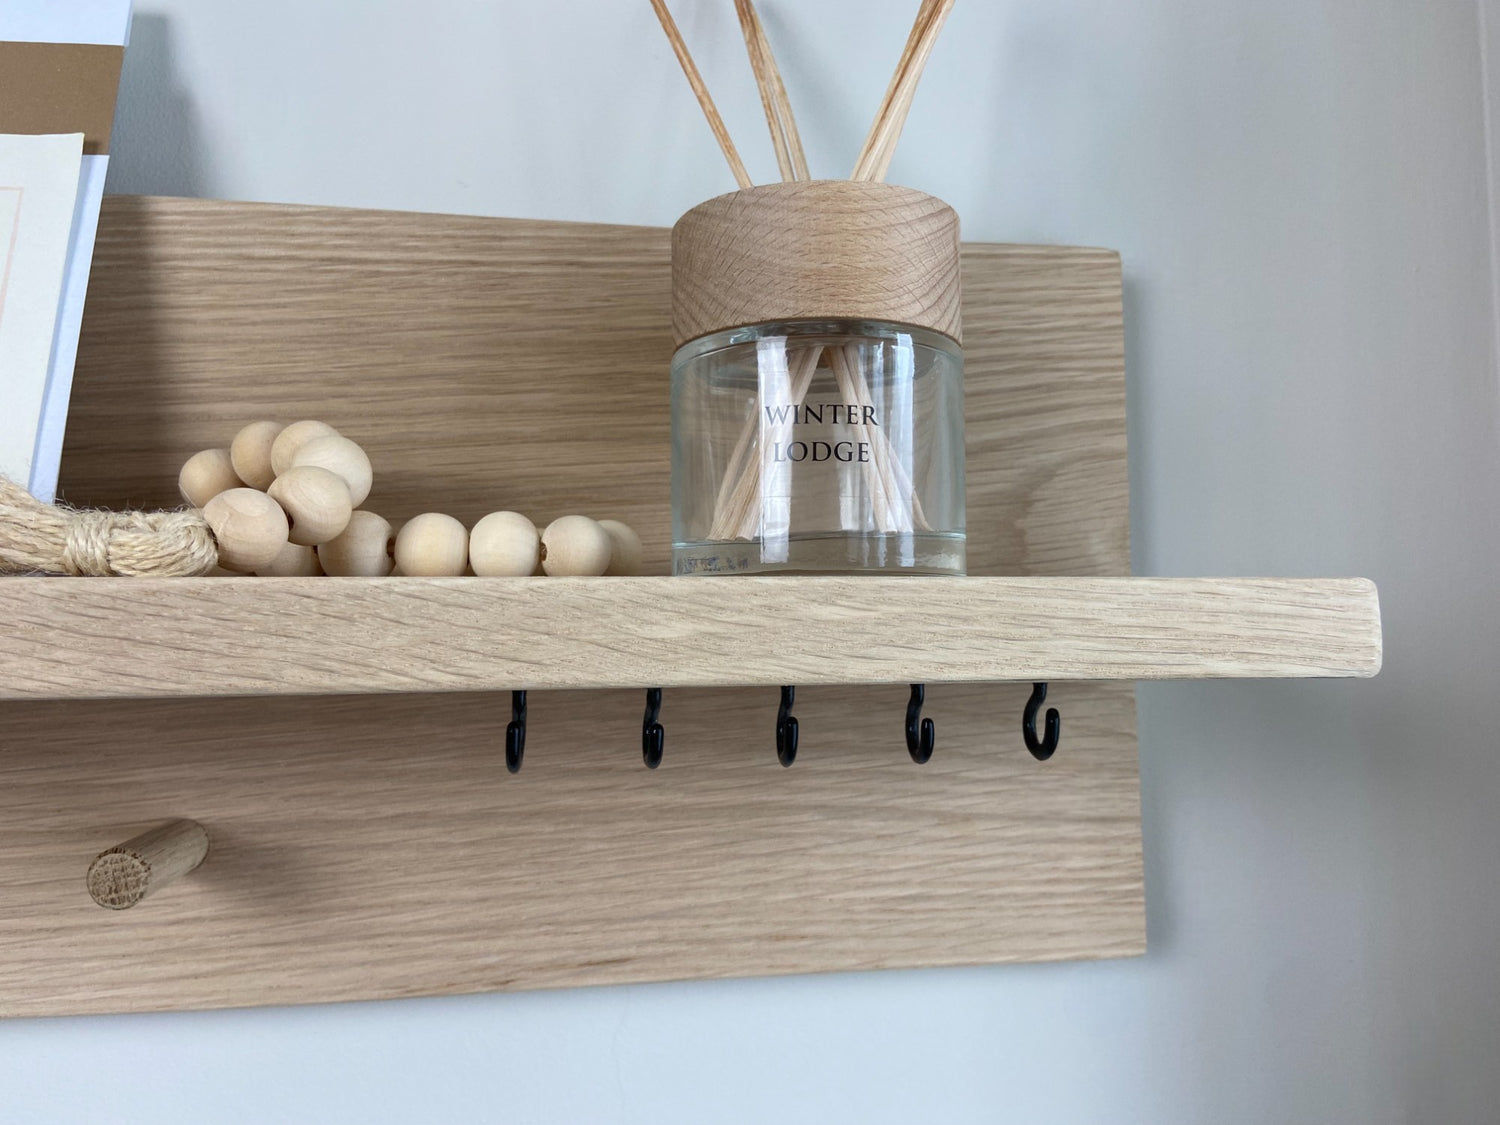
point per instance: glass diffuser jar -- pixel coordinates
(817, 387)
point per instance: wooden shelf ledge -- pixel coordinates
(133, 638)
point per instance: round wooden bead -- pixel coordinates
(338, 454)
(575, 545)
(315, 500)
(625, 553)
(250, 452)
(293, 561)
(293, 438)
(205, 475)
(250, 528)
(504, 545)
(362, 551)
(432, 545)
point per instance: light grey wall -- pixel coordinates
(1299, 191)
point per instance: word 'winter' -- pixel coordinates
(836, 413)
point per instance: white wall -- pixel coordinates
(1299, 191)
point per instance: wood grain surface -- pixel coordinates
(375, 846)
(288, 636)
(816, 250)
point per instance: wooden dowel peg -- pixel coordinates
(144, 864)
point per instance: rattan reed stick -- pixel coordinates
(872, 138)
(907, 89)
(700, 91)
(790, 158)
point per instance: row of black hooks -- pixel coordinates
(921, 733)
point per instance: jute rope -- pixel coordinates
(52, 539)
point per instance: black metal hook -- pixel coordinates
(921, 734)
(653, 735)
(515, 732)
(786, 727)
(1044, 748)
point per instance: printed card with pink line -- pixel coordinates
(38, 188)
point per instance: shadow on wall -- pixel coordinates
(157, 145)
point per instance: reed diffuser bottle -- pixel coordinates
(817, 387)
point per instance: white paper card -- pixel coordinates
(38, 187)
(49, 437)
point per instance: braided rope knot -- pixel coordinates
(37, 537)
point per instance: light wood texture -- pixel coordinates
(290, 440)
(625, 549)
(576, 546)
(880, 144)
(206, 474)
(366, 549)
(190, 637)
(123, 875)
(250, 453)
(816, 250)
(342, 457)
(432, 545)
(293, 561)
(316, 502)
(250, 528)
(375, 846)
(791, 161)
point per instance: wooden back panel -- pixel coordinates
(501, 363)
(375, 847)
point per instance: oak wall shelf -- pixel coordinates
(372, 845)
(134, 638)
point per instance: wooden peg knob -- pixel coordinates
(144, 864)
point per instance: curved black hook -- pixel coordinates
(515, 732)
(1044, 748)
(921, 733)
(786, 727)
(653, 735)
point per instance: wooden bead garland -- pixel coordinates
(283, 501)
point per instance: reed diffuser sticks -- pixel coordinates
(893, 504)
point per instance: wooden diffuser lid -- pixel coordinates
(816, 250)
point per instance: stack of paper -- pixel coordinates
(59, 73)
